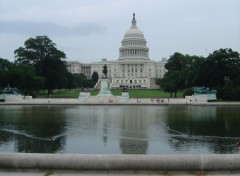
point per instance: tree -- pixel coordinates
(222, 64)
(20, 76)
(80, 81)
(182, 72)
(25, 79)
(5, 66)
(193, 69)
(174, 79)
(167, 85)
(95, 77)
(48, 61)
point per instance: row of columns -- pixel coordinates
(138, 43)
(132, 67)
(134, 52)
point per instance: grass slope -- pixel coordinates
(150, 94)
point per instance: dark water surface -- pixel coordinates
(120, 129)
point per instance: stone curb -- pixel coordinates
(213, 162)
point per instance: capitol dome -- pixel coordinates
(134, 45)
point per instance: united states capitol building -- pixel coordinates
(133, 68)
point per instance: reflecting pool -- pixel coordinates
(120, 129)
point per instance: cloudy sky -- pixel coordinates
(88, 30)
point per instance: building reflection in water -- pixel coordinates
(134, 127)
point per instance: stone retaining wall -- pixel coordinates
(213, 162)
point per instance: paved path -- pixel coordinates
(75, 101)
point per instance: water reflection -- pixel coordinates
(134, 126)
(200, 126)
(119, 129)
(32, 128)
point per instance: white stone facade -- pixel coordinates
(133, 68)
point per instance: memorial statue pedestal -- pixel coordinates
(105, 91)
(104, 97)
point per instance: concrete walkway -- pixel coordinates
(132, 101)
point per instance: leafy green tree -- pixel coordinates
(20, 76)
(24, 77)
(5, 66)
(182, 73)
(220, 65)
(167, 85)
(48, 61)
(95, 77)
(192, 70)
(81, 81)
(221, 71)
(175, 78)
(69, 80)
(78, 80)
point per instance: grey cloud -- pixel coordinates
(49, 28)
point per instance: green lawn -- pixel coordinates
(133, 93)
(65, 94)
(60, 94)
(94, 92)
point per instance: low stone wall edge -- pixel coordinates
(210, 162)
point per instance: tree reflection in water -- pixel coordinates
(32, 128)
(214, 127)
